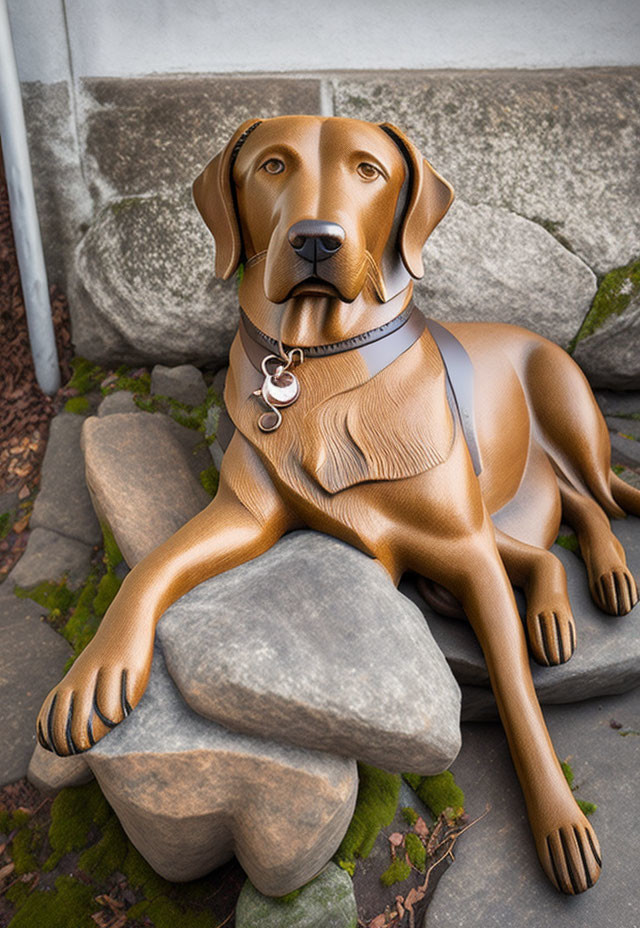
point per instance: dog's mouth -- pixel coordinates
(314, 286)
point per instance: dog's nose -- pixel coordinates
(315, 240)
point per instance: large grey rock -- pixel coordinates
(311, 643)
(611, 356)
(32, 657)
(625, 427)
(615, 403)
(190, 793)
(485, 263)
(326, 902)
(559, 147)
(63, 504)
(141, 480)
(184, 383)
(496, 879)
(607, 658)
(50, 556)
(145, 289)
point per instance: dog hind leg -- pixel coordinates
(626, 496)
(551, 629)
(611, 583)
(565, 841)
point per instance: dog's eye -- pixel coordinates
(368, 171)
(273, 166)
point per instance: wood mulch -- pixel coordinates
(25, 411)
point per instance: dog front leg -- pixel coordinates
(566, 844)
(108, 679)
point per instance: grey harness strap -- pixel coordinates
(378, 352)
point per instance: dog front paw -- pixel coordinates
(552, 636)
(98, 692)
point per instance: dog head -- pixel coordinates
(327, 203)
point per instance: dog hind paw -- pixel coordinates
(552, 636)
(570, 857)
(615, 591)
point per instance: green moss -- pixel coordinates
(375, 808)
(67, 906)
(107, 589)
(587, 807)
(73, 812)
(615, 292)
(553, 228)
(112, 553)
(439, 792)
(20, 818)
(56, 597)
(416, 851)
(78, 405)
(289, 897)
(22, 852)
(163, 913)
(124, 380)
(108, 854)
(397, 871)
(6, 521)
(209, 478)
(568, 772)
(5, 822)
(86, 375)
(18, 893)
(240, 274)
(410, 815)
(141, 876)
(569, 541)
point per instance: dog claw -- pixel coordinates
(615, 592)
(571, 858)
(552, 637)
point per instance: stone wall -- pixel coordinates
(544, 164)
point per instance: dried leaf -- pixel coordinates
(421, 828)
(23, 492)
(20, 526)
(110, 902)
(396, 839)
(6, 870)
(379, 921)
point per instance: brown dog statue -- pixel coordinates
(453, 450)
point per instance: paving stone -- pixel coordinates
(607, 658)
(611, 356)
(559, 147)
(141, 479)
(49, 556)
(326, 902)
(496, 879)
(330, 657)
(624, 450)
(184, 383)
(485, 263)
(190, 794)
(32, 657)
(63, 504)
(50, 773)
(618, 403)
(628, 427)
(120, 401)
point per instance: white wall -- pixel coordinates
(134, 37)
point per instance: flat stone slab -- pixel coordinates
(63, 504)
(496, 879)
(611, 356)
(120, 401)
(50, 773)
(32, 657)
(190, 794)
(312, 644)
(625, 450)
(141, 479)
(326, 902)
(50, 556)
(485, 263)
(618, 403)
(607, 658)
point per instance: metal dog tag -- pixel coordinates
(280, 388)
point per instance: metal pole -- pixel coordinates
(24, 218)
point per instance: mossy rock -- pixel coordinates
(616, 291)
(376, 805)
(326, 902)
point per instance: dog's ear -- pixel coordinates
(430, 196)
(214, 195)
